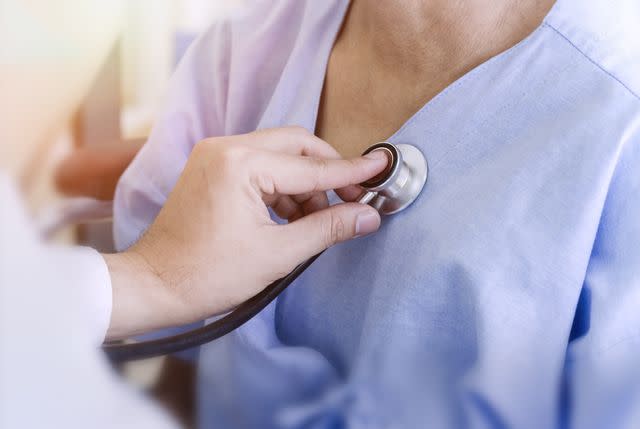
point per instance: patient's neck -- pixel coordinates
(393, 56)
(423, 34)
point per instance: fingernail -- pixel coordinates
(378, 155)
(367, 222)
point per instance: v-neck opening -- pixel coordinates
(436, 98)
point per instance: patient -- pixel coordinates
(506, 296)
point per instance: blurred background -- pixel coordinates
(80, 84)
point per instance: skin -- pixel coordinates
(179, 271)
(184, 271)
(392, 57)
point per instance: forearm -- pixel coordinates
(165, 279)
(141, 301)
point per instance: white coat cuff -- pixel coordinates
(91, 287)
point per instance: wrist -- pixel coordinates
(141, 301)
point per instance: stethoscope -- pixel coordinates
(390, 192)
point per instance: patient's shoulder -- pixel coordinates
(604, 31)
(267, 33)
(246, 53)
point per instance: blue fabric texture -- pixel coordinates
(506, 296)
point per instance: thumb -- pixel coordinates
(322, 229)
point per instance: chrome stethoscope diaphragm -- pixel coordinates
(391, 191)
(400, 183)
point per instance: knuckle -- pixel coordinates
(302, 136)
(295, 130)
(298, 130)
(321, 167)
(260, 132)
(355, 164)
(232, 156)
(265, 183)
(203, 148)
(334, 230)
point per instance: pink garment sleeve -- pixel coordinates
(194, 110)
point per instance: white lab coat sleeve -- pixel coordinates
(55, 306)
(89, 286)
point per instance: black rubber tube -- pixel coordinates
(243, 313)
(197, 337)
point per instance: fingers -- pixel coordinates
(296, 206)
(313, 202)
(290, 174)
(292, 161)
(286, 208)
(314, 233)
(299, 141)
(350, 193)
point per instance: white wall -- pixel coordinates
(49, 52)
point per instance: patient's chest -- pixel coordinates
(497, 244)
(497, 238)
(495, 249)
(357, 109)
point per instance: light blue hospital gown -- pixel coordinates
(508, 295)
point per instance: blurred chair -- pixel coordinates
(94, 172)
(89, 175)
(101, 155)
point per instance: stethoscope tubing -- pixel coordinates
(382, 193)
(119, 353)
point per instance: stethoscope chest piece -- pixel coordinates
(389, 192)
(400, 183)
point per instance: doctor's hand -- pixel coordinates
(214, 244)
